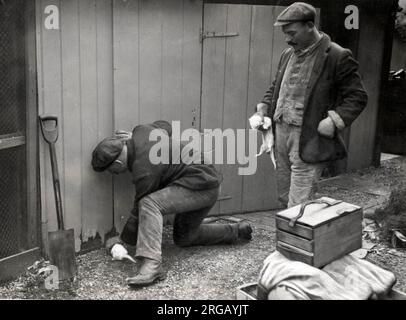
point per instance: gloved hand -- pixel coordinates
(327, 127)
(118, 252)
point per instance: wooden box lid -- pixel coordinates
(316, 214)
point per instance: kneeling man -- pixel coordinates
(188, 190)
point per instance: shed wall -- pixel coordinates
(110, 65)
(114, 63)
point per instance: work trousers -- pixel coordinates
(296, 179)
(190, 208)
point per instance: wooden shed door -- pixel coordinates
(241, 51)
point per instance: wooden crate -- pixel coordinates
(327, 230)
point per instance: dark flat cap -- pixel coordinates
(296, 12)
(106, 152)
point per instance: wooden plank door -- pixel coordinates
(237, 70)
(223, 100)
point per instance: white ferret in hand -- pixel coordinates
(256, 121)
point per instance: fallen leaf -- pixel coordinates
(370, 228)
(360, 253)
(399, 235)
(395, 253)
(367, 245)
(368, 221)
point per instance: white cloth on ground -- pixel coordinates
(256, 121)
(347, 278)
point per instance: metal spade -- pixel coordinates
(61, 242)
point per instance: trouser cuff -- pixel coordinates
(149, 255)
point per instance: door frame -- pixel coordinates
(12, 266)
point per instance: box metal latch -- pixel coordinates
(324, 200)
(214, 34)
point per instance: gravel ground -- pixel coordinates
(210, 272)
(192, 273)
(388, 175)
(390, 259)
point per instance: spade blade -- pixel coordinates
(62, 252)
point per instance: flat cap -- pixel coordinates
(296, 12)
(106, 152)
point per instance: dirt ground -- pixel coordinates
(215, 272)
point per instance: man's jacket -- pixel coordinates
(335, 85)
(149, 177)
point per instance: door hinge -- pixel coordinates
(214, 34)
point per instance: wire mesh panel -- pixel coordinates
(12, 67)
(13, 189)
(13, 221)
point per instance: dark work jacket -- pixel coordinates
(335, 84)
(148, 177)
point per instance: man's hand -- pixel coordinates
(126, 135)
(256, 121)
(262, 109)
(327, 127)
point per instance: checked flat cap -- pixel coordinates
(296, 12)
(106, 152)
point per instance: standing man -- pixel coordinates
(317, 92)
(188, 190)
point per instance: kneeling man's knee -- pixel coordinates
(146, 202)
(182, 240)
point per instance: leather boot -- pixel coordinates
(149, 272)
(244, 231)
